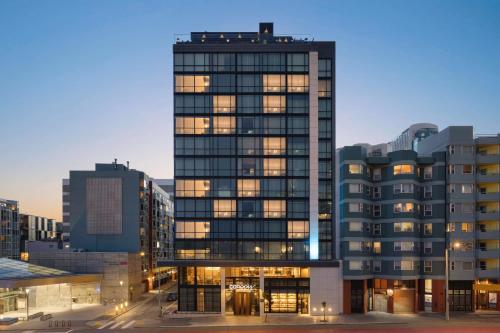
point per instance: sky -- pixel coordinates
(89, 81)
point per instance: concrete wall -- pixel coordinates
(326, 286)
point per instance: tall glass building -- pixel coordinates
(254, 188)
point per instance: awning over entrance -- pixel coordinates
(17, 274)
(487, 287)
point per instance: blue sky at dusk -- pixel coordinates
(88, 81)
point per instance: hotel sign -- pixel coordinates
(248, 287)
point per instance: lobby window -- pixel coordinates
(324, 88)
(224, 125)
(427, 266)
(274, 167)
(298, 83)
(355, 208)
(224, 104)
(355, 226)
(248, 187)
(185, 229)
(274, 104)
(274, 146)
(407, 207)
(403, 227)
(192, 83)
(355, 265)
(224, 208)
(403, 169)
(192, 188)
(355, 188)
(377, 247)
(355, 169)
(274, 208)
(274, 83)
(428, 229)
(208, 276)
(192, 125)
(298, 229)
(298, 62)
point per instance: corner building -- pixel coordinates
(254, 188)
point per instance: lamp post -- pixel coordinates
(121, 290)
(27, 303)
(455, 245)
(323, 308)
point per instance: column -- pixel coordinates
(313, 157)
(223, 291)
(261, 291)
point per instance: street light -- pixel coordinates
(456, 245)
(121, 290)
(27, 303)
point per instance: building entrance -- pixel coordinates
(242, 303)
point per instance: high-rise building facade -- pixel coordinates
(392, 218)
(9, 229)
(254, 188)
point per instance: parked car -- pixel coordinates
(171, 297)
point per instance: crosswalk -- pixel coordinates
(115, 324)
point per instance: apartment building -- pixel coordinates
(254, 188)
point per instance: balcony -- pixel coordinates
(487, 158)
(487, 273)
(488, 196)
(488, 253)
(488, 177)
(488, 215)
(488, 235)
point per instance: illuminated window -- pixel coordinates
(403, 227)
(248, 187)
(403, 265)
(355, 246)
(355, 226)
(274, 167)
(192, 125)
(298, 229)
(466, 227)
(403, 169)
(224, 125)
(274, 208)
(224, 104)
(298, 83)
(274, 83)
(403, 246)
(274, 146)
(274, 104)
(184, 229)
(355, 265)
(192, 83)
(355, 169)
(377, 247)
(192, 188)
(224, 208)
(407, 207)
(355, 207)
(324, 88)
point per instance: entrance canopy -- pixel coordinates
(17, 274)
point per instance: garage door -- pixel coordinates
(404, 301)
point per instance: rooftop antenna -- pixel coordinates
(116, 160)
(128, 165)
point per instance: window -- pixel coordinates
(355, 169)
(274, 146)
(403, 246)
(191, 62)
(274, 104)
(427, 191)
(377, 248)
(299, 125)
(403, 265)
(427, 266)
(274, 83)
(184, 229)
(224, 125)
(298, 83)
(355, 207)
(324, 88)
(451, 169)
(407, 207)
(467, 169)
(355, 265)
(450, 227)
(274, 167)
(274, 208)
(356, 226)
(467, 208)
(377, 174)
(192, 83)
(298, 229)
(467, 188)
(377, 192)
(403, 188)
(192, 188)
(403, 227)
(427, 210)
(224, 208)
(355, 188)
(377, 266)
(192, 125)
(355, 246)
(403, 169)
(377, 229)
(248, 62)
(427, 247)
(248, 187)
(298, 62)
(428, 172)
(224, 104)
(467, 265)
(376, 210)
(324, 68)
(298, 104)
(451, 149)
(428, 229)
(466, 227)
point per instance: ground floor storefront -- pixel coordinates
(487, 294)
(256, 291)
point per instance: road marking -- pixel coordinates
(117, 324)
(107, 324)
(128, 325)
